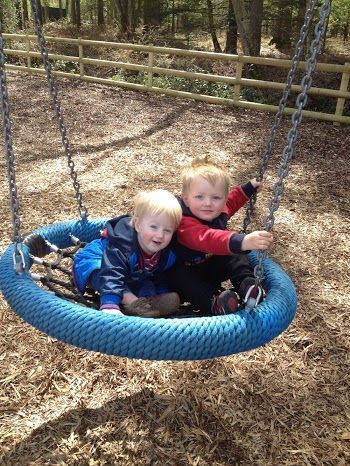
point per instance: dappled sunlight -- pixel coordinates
(282, 404)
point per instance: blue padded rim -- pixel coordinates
(191, 338)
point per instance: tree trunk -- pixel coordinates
(40, 11)
(77, 9)
(256, 17)
(75, 13)
(300, 22)
(173, 17)
(281, 33)
(113, 11)
(123, 16)
(18, 14)
(100, 13)
(60, 6)
(151, 14)
(131, 18)
(25, 13)
(231, 34)
(212, 30)
(249, 22)
(324, 38)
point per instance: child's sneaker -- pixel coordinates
(252, 294)
(225, 303)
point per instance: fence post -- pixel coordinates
(341, 100)
(150, 69)
(239, 71)
(81, 56)
(29, 60)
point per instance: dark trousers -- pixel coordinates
(198, 284)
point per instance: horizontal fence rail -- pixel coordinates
(27, 54)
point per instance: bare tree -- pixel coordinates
(249, 20)
(100, 13)
(25, 13)
(282, 25)
(18, 14)
(231, 33)
(75, 12)
(212, 30)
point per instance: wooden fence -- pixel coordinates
(26, 43)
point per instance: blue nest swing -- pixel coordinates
(192, 338)
(188, 338)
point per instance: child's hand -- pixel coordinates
(257, 240)
(258, 185)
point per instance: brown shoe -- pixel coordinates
(157, 306)
(167, 303)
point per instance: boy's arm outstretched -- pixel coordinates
(195, 235)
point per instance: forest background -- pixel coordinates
(268, 28)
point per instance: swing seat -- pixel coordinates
(192, 338)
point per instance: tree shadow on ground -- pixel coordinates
(154, 429)
(145, 427)
(167, 120)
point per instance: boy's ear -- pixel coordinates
(136, 224)
(185, 199)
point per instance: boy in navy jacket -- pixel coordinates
(207, 253)
(126, 265)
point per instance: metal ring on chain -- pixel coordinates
(192, 338)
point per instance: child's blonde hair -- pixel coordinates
(157, 202)
(210, 171)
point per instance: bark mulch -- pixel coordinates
(286, 403)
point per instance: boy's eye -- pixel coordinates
(199, 196)
(154, 227)
(167, 230)
(217, 198)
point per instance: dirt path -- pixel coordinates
(284, 404)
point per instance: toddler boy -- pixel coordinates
(207, 253)
(126, 265)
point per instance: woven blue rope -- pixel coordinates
(134, 337)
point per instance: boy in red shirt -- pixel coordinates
(207, 253)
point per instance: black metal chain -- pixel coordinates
(282, 104)
(83, 212)
(288, 151)
(18, 258)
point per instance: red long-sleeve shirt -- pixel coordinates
(197, 238)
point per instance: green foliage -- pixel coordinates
(9, 16)
(196, 86)
(133, 77)
(252, 95)
(339, 21)
(66, 66)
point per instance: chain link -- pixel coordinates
(83, 212)
(282, 104)
(18, 258)
(288, 151)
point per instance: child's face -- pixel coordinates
(154, 232)
(205, 201)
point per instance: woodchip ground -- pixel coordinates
(286, 403)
